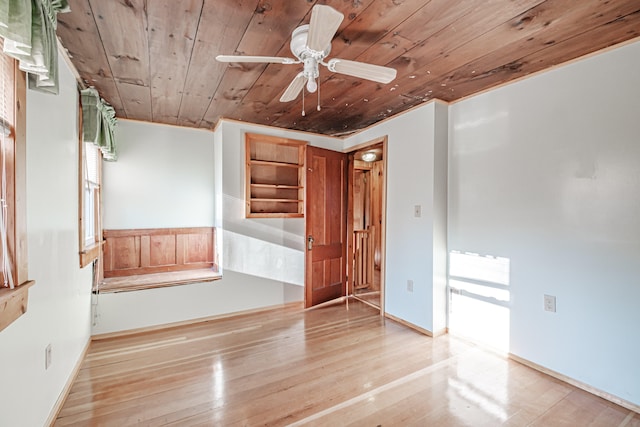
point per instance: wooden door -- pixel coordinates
(326, 222)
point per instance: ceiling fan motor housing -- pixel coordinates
(311, 68)
(299, 45)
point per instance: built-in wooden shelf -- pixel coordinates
(275, 177)
(276, 200)
(297, 187)
(277, 164)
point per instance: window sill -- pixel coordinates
(13, 303)
(156, 280)
(90, 254)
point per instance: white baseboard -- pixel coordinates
(607, 396)
(126, 332)
(67, 387)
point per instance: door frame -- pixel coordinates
(383, 231)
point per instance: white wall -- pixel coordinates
(261, 251)
(167, 176)
(546, 172)
(163, 177)
(272, 248)
(415, 248)
(59, 308)
(138, 309)
(440, 212)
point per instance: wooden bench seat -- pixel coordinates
(136, 259)
(156, 280)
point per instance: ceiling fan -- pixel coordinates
(311, 44)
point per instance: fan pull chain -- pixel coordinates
(318, 98)
(303, 113)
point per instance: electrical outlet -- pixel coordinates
(410, 285)
(47, 357)
(417, 211)
(550, 303)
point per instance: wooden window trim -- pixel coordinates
(88, 253)
(13, 302)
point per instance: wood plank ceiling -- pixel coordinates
(154, 60)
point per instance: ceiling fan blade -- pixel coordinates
(294, 88)
(377, 73)
(325, 21)
(243, 58)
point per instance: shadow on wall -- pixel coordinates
(255, 257)
(288, 232)
(479, 298)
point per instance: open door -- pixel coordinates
(365, 222)
(325, 214)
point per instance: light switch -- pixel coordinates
(417, 211)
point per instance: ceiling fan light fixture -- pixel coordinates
(312, 86)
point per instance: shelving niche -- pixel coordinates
(275, 176)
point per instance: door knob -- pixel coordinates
(309, 242)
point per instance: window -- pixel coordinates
(7, 199)
(13, 235)
(90, 212)
(91, 193)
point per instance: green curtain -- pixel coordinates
(98, 123)
(29, 31)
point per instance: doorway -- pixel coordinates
(365, 223)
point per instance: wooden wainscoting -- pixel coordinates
(158, 250)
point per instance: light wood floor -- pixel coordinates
(329, 367)
(372, 297)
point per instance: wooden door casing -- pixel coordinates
(325, 213)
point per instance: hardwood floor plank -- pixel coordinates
(582, 408)
(328, 366)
